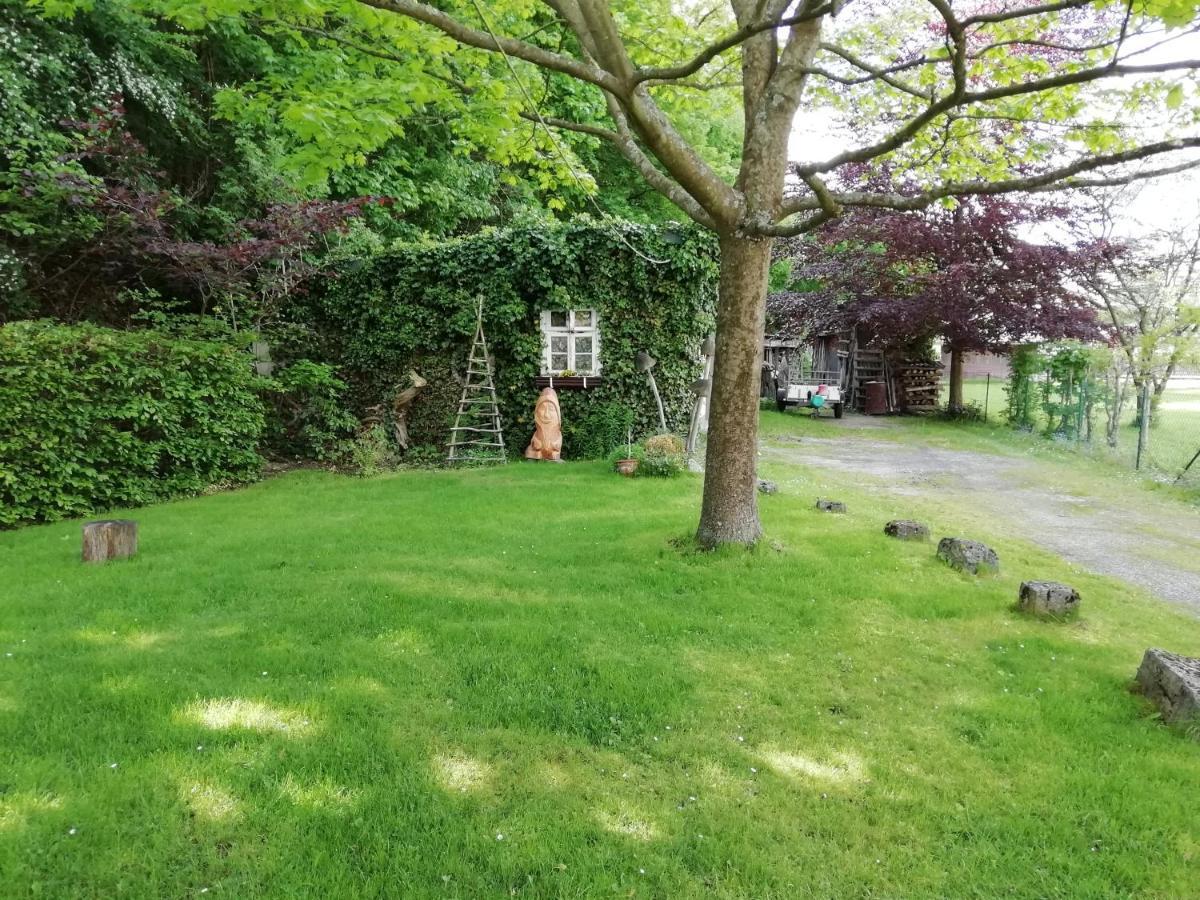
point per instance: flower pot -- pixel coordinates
(627, 467)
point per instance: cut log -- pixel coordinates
(109, 539)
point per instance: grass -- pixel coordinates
(512, 682)
(1174, 437)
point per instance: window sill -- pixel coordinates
(569, 382)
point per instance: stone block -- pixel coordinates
(1172, 682)
(907, 530)
(968, 556)
(1048, 598)
(767, 487)
(833, 506)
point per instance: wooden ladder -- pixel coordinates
(477, 436)
(868, 366)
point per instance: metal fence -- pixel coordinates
(1103, 417)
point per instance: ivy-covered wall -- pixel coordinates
(414, 308)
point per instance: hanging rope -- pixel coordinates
(554, 142)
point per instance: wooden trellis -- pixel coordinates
(477, 436)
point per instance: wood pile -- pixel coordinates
(918, 385)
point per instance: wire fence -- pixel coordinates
(1102, 417)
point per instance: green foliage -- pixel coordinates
(308, 417)
(414, 307)
(92, 418)
(372, 452)
(601, 428)
(625, 451)
(423, 456)
(1066, 380)
(1024, 363)
(664, 456)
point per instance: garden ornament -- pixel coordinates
(400, 406)
(645, 362)
(547, 435)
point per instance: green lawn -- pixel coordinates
(513, 682)
(1174, 437)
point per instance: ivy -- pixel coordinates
(414, 307)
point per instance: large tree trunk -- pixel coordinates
(730, 509)
(956, 380)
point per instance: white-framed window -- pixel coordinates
(570, 341)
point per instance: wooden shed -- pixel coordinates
(842, 358)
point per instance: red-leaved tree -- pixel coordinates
(966, 275)
(110, 226)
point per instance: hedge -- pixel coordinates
(92, 418)
(414, 307)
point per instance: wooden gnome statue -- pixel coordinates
(547, 434)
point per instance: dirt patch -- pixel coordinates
(1092, 531)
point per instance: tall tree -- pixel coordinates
(963, 274)
(1146, 289)
(920, 76)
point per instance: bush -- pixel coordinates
(92, 418)
(308, 418)
(372, 452)
(625, 451)
(664, 456)
(425, 456)
(600, 429)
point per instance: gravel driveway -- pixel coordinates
(1154, 544)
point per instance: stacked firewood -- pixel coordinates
(918, 385)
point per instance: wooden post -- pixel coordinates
(109, 539)
(1144, 430)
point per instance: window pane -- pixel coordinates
(558, 343)
(558, 361)
(583, 318)
(558, 319)
(583, 362)
(583, 343)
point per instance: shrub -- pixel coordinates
(599, 429)
(664, 456)
(424, 456)
(372, 452)
(308, 418)
(626, 451)
(92, 418)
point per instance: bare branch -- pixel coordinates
(1022, 12)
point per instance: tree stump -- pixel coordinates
(109, 539)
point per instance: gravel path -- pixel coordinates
(1156, 546)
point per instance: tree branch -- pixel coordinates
(874, 73)
(481, 40)
(1062, 178)
(715, 49)
(956, 100)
